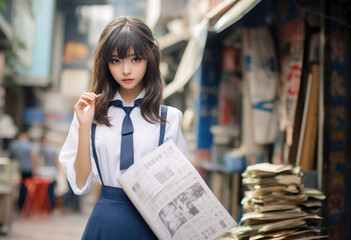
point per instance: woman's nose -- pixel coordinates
(126, 69)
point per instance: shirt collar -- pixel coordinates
(118, 96)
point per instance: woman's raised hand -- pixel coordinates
(86, 115)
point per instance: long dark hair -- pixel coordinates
(121, 34)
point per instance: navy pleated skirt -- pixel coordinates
(115, 217)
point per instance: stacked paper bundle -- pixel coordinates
(277, 206)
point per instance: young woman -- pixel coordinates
(126, 74)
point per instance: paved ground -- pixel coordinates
(60, 226)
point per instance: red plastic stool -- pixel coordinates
(43, 199)
(37, 202)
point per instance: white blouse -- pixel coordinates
(108, 144)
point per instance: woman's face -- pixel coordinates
(128, 72)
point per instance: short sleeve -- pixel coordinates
(174, 129)
(67, 156)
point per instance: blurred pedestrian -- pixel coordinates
(22, 149)
(126, 77)
(48, 168)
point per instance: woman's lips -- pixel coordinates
(127, 80)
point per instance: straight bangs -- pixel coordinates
(125, 38)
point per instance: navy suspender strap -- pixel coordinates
(93, 130)
(163, 124)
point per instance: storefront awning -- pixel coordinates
(191, 59)
(227, 13)
(236, 12)
(220, 9)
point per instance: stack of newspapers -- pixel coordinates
(276, 205)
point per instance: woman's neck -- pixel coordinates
(129, 95)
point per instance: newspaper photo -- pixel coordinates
(173, 198)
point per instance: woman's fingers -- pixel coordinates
(89, 97)
(81, 104)
(97, 95)
(86, 99)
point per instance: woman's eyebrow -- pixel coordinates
(130, 55)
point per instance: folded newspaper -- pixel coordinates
(173, 198)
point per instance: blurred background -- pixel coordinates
(257, 81)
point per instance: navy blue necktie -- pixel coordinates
(127, 148)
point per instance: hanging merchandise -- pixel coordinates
(229, 89)
(291, 43)
(261, 73)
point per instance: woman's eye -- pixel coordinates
(114, 60)
(136, 59)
